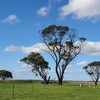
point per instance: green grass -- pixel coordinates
(38, 91)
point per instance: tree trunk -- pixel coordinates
(60, 76)
(60, 81)
(3, 78)
(46, 81)
(96, 83)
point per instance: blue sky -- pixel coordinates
(20, 22)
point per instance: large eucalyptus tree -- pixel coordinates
(63, 44)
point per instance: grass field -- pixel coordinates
(38, 91)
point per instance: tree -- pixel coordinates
(63, 45)
(93, 70)
(4, 74)
(38, 64)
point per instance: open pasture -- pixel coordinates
(38, 91)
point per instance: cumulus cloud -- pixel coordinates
(92, 48)
(81, 9)
(82, 63)
(39, 47)
(12, 48)
(24, 67)
(11, 19)
(43, 11)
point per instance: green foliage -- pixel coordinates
(95, 63)
(35, 60)
(39, 65)
(4, 74)
(53, 30)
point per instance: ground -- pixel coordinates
(35, 90)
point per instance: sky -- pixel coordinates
(21, 21)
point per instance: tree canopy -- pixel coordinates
(93, 70)
(38, 64)
(63, 44)
(4, 74)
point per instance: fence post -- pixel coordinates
(32, 85)
(13, 94)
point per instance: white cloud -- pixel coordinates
(82, 63)
(24, 67)
(43, 11)
(81, 9)
(12, 48)
(39, 47)
(92, 48)
(11, 19)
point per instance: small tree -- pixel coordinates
(93, 70)
(63, 45)
(4, 74)
(38, 64)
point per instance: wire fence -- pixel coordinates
(38, 91)
(25, 90)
